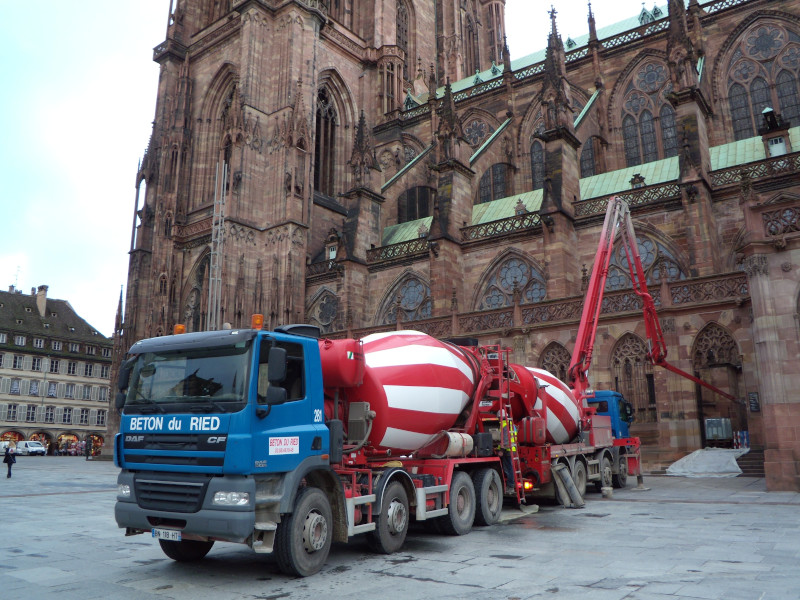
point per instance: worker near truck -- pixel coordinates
(508, 444)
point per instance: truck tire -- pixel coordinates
(488, 496)
(461, 512)
(185, 550)
(606, 474)
(303, 539)
(620, 480)
(579, 477)
(392, 523)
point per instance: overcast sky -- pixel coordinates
(76, 110)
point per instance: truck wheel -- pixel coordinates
(461, 512)
(303, 539)
(488, 496)
(579, 477)
(606, 474)
(185, 550)
(392, 525)
(620, 480)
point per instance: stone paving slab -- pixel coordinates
(683, 539)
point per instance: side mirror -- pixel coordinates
(125, 373)
(119, 400)
(276, 372)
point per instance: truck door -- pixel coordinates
(287, 432)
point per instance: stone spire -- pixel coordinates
(450, 132)
(681, 58)
(555, 94)
(363, 160)
(592, 27)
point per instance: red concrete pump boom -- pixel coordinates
(618, 217)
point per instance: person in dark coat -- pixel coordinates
(9, 459)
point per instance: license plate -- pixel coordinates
(172, 535)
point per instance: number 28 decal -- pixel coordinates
(317, 415)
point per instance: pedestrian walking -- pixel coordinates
(9, 459)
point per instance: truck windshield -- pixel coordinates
(193, 380)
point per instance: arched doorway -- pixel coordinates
(716, 360)
(11, 436)
(68, 444)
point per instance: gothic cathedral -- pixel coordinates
(367, 165)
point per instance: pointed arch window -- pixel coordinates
(471, 59)
(402, 36)
(409, 300)
(763, 71)
(555, 359)
(658, 262)
(513, 275)
(495, 31)
(669, 132)
(537, 164)
(632, 375)
(787, 97)
(740, 112)
(495, 183)
(631, 138)
(415, 203)
(759, 96)
(648, 121)
(587, 158)
(325, 144)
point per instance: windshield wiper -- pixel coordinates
(206, 404)
(147, 403)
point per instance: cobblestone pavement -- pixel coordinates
(681, 539)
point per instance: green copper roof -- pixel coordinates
(403, 232)
(585, 111)
(505, 207)
(659, 171)
(481, 213)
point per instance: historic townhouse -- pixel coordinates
(54, 372)
(385, 163)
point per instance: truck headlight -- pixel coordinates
(124, 490)
(232, 498)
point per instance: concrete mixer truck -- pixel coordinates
(287, 442)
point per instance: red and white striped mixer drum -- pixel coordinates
(557, 405)
(416, 385)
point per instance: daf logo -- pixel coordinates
(217, 439)
(134, 438)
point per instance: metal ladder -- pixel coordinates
(514, 454)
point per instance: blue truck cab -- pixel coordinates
(614, 405)
(217, 429)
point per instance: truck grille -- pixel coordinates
(172, 449)
(153, 493)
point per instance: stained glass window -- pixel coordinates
(760, 98)
(787, 96)
(630, 136)
(587, 158)
(740, 112)
(494, 183)
(537, 164)
(415, 203)
(648, 137)
(402, 35)
(669, 133)
(325, 144)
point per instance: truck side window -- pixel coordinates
(295, 371)
(602, 407)
(263, 382)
